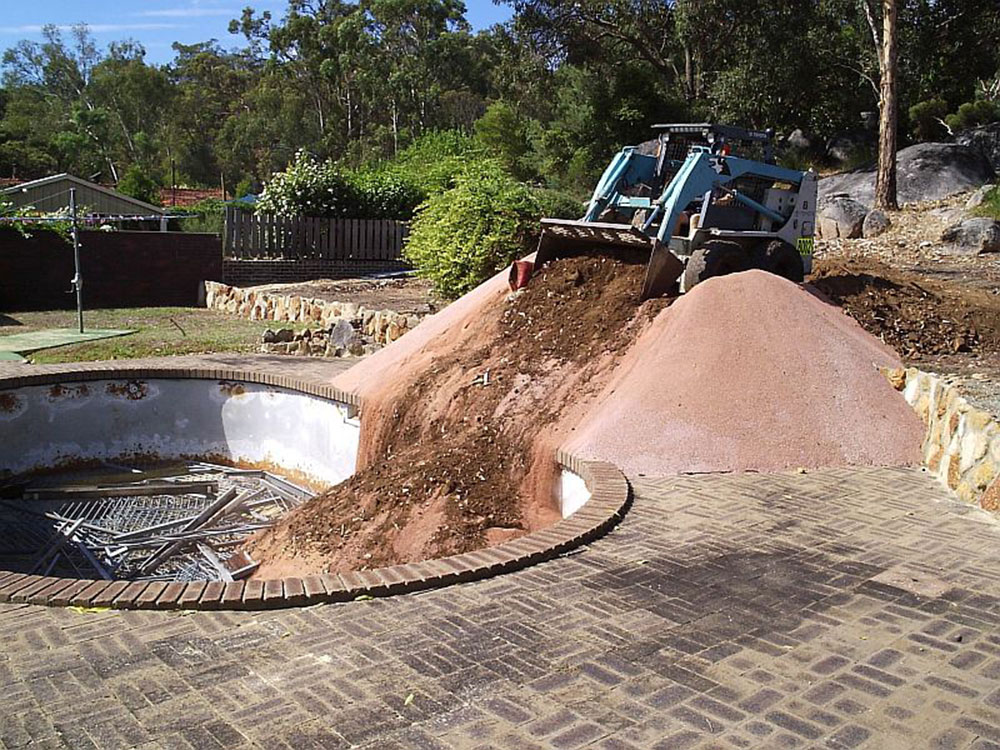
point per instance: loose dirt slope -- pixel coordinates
(461, 417)
(751, 372)
(460, 421)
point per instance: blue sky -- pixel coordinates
(158, 23)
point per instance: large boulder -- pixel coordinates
(798, 139)
(973, 237)
(844, 147)
(924, 172)
(840, 216)
(876, 223)
(986, 140)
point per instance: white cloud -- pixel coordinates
(97, 28)
(188, 12)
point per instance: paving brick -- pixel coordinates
(752, 621)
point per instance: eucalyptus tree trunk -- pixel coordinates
(885, 179)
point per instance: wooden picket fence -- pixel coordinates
(253, 235)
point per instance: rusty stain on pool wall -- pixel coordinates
(60, 391)
(11, 404)
(133, 390)
(230, 388)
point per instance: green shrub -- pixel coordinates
(797, 158)
(26, 227)
(209, 216)
(926, 120)
(385, 194)
(558, 204)
(433, 160)
(138, 183)
(309, 187)
(974, 114)
(464, 235)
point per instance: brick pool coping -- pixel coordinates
(610, 498)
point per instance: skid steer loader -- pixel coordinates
(701, 200)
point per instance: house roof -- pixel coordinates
(140, 206)
(185, 197)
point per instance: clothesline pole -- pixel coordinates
(78, 278)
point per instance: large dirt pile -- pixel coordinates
(751, 372)
(460, 421)
(462, 416)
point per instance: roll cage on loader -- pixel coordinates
(696, 208)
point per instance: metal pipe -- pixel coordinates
(755, 205)
(78, 278)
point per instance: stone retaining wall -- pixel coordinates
(962, 444)
(382, 326)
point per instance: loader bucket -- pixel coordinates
(563, 238)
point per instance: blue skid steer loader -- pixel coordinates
(701, 200)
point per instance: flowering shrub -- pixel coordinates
(310, 188)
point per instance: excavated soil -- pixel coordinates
(939, 308)
(458, 439)
(918, 316)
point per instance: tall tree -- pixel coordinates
(885, 179)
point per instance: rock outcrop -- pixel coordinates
(875, 223)
(973, 236)
(986, 140)
(926, 171)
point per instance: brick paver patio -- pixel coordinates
(836, 609)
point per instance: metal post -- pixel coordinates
(78, 278)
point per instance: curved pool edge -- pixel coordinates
(610, 497)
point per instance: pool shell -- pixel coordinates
(610, 496)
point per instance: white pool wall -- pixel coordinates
(572, 492)
(48, 426)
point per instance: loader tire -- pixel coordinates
(715, 258)
(784, 260)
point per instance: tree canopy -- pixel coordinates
(549, 95)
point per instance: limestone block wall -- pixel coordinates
(383, 326)
(962, 444)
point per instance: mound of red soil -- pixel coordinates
(460, 421)
(751, 372)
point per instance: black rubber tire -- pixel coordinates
(782, 259)
(715, 258)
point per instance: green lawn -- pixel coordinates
(159, 331)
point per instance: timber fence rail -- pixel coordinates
(252, 235)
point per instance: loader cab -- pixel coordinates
(676, 140)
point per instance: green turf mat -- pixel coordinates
(11, 357)
(23, 343)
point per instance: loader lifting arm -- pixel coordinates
(709, 204)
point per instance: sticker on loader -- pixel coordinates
(805, 246)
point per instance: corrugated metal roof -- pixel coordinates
(51, 194)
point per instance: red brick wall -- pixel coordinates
(120, 269)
